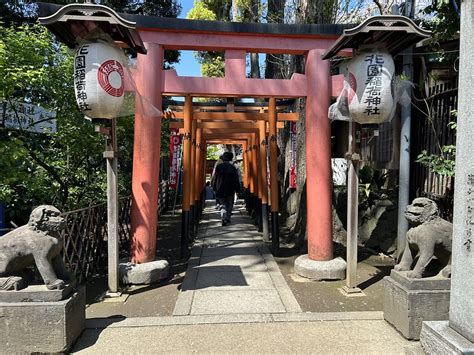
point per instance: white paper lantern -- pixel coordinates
(99, 80)
(369, 78)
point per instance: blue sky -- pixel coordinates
(186, 5)
(188, 66)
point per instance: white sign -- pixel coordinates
(99, 81)
(27, 117)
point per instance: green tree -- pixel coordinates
(18, 12)
(65, 168)
(212, 63)
(443, 19)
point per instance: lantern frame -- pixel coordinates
(73, 22)
(394, 32)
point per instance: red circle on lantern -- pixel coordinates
(103, 76)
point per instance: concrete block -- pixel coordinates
(334, 269)
(143, 274)
(44, 327)
(409, 302)
(439, 338)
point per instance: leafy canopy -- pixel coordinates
(64, 168)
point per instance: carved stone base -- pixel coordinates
(409, 302)
(45, 327)
(334, 269)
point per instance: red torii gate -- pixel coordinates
(316, 85)
(236, 40)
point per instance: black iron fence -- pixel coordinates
(85, 235)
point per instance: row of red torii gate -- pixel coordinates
(248, 129)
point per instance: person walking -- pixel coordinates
(219, 161)
(225, 183)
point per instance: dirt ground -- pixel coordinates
(325, 296)
(159, 299)
(146, 301)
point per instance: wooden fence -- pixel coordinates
(85, 235)
(429, 133)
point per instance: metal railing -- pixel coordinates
(85, 235)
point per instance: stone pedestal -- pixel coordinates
(440, 338)
(36, 293)
(41, 326)
(409, 302)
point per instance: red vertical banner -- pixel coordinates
(175, 157)
(293, 155)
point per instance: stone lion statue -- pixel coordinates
(429, 236)
(37, 242)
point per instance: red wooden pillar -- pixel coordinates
(246, 165)
(198, 179)
(272, 142)
(318, 158)
(187, 171)
(262, 155)
(254, 164)
(250, 165)
(193, 165)
(146, 156)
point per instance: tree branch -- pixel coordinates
(377, 2)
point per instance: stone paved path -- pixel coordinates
(234, 299)
(231, 271)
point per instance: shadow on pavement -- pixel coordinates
(219, 276)
(90, 335)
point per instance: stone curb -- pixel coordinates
(99, 323)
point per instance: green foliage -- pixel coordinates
(64, 168)
(212, 63)
(200, 11)
(444, 162)
(212, 152)
(222, 8)
(18, 12)
(212, 67)
(444, 19)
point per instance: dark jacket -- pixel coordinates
(225, 181)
